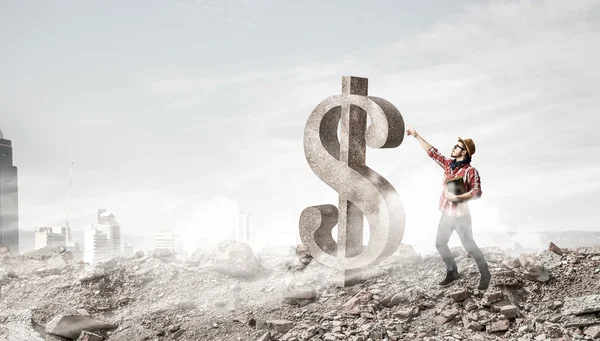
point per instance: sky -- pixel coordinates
(177, 113)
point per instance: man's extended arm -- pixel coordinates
(422, 142)
(433, 153)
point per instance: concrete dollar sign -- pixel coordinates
(340, 163)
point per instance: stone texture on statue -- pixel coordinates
(340, 163)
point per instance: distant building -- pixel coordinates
(107, 223)
(97, 246)
(9, 197)
(102, 239)
(241, 227)
(168, 240)
(127, 249)
(54, 236)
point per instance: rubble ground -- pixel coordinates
(230, 293)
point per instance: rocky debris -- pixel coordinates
(593, 250)
(460, 295)
(89, 336)
(593, 331)
(18, 325)
(581, 305)
(162, 253)
(159, 296)
(499, 326)
(71, 326)
(549, 259)
(234, 259)
(552, 247)
(304, 258)
(300, 296)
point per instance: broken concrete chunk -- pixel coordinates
(404, 314)
(460, 295)
(91, 273)
(499, 326)
(178, 334)
(71, 326)
(89, 336)
(581, 305)
(469, 304)
(282, 326)
(549, 259)
(264, 337)
(526, 260)
(580, 321)
(472, 325)
(593, 331)
(509, 311)
(234, 259)
(447, 316)
(538, 273)
(496, 307)
(299, 294)
(492, 297)
(555, 249)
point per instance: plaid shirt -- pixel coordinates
(469, 175)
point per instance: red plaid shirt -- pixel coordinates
(469, 175)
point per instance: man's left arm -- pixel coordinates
(474, 184)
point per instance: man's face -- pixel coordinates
(458, 150)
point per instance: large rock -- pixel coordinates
(593, 331)
(282, 326)
(538, 273)
(71, 326)
(581, 305)
(549, 259)
(235, 259)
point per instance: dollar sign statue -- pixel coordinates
(340, 163)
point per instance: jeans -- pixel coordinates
(462, 226)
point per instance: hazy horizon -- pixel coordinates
(177, 113)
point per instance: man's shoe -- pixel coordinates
(451, 276)
(484, 283)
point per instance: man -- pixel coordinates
(455, 208)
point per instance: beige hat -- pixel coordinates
(469, 145)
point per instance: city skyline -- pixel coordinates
(178, 124)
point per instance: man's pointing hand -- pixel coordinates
(411, 131)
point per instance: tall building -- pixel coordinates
(102, 239)
(168, 240)
(96, 245)
(9, 197)
(107, 223)
(241, 227)
(52, 236)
